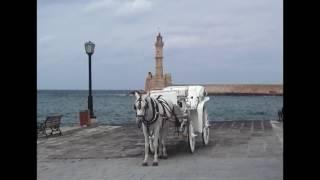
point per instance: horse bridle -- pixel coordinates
(139, 106)
(155, 112)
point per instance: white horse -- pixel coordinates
(153, 113)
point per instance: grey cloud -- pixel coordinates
(243, 38)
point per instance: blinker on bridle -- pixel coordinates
(139, 105)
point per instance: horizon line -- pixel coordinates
(171, 85)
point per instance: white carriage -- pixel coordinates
(190, 107)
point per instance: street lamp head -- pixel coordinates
(89, 46)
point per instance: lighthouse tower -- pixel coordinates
(160, 80)
(159, 56)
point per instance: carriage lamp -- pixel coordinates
(89, 47)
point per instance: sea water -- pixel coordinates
(115, 107)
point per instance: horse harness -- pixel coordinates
(165, 107)
(155, 113)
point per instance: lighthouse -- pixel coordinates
(159, 80)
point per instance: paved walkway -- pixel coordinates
(238, 150)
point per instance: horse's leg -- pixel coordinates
(146, 145)
(155, 143)
(163, 139)
(160, 144)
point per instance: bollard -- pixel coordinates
(84, 118)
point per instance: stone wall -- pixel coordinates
(267, 89)
(243, 89)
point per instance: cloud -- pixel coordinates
(185, 41)
(99, 5)
(45, 39)
(119, 7)
(227, 40)
(134, 6)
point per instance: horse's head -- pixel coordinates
(141, 104)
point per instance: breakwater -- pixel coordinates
(242, 89)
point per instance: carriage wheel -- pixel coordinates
(205, 130)
(191, 138)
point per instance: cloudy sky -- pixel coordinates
(206, 41)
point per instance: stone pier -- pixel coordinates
(238, 150)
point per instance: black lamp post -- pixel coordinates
(89, 46)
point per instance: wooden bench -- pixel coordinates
(52, 123)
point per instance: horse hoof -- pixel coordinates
(160, 157)
(155, 164)
(165, 157)
(145, 164)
